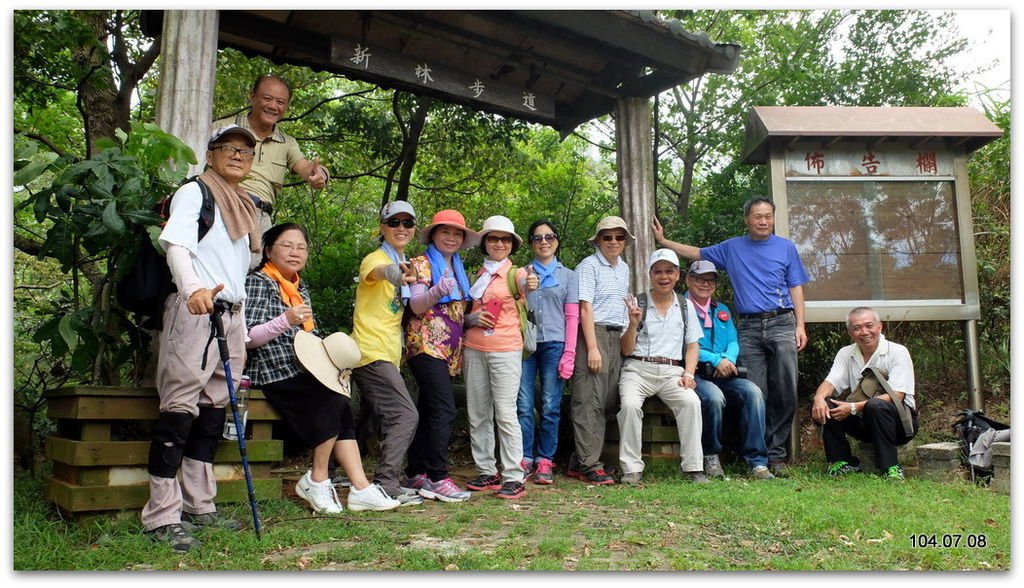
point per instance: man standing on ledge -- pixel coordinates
(276, 151)
(767, 278)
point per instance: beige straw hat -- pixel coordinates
(330, 360)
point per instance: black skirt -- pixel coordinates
(313, 410)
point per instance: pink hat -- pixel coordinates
(452, 218)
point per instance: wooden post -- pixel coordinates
(187, 77)
(636, 183)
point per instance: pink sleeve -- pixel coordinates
(572, 321)
(263, 334)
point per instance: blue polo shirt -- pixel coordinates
(761, 272)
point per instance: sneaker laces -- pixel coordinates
(837, 467)
(894, 471)
(544, 466)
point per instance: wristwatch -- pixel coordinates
(853, 408)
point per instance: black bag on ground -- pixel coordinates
(147, 284)
(970, 425)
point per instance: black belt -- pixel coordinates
(659, 360)
(226, 306)
(611, 328)
(766, 314)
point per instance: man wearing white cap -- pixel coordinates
(767, 279)
(603, 284)
(660, 346)
(209, 273)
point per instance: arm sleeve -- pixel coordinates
(179, 260)
(837, 375)
(266, 332)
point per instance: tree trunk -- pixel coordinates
(410, 147)
(686, 185)
(97, 92)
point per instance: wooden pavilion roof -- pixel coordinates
(554, 67)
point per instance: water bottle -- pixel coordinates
(242, 396)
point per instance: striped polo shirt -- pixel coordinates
(604, 286)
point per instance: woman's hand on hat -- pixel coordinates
(299, 314)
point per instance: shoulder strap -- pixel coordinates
(206, 212)
(641, 302)
(883, 380)
(513, 288)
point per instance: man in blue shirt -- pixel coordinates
(719, 383)
(767, 279)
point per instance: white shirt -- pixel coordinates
(662, 336)
(217, 259)
(890, 357)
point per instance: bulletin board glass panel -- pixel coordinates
(877, 240)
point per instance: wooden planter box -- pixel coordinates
(101, 448)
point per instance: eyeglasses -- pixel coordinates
(405, 222)
(495, 239)
(232, 151)
(705, 281)
(613, 237)
(301, 248)
(548, 237)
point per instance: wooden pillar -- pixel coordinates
(636, 183)
(187, 78)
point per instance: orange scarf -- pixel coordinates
(289, 290)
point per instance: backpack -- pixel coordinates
(147, 283)
(526, 322)
(970, 426)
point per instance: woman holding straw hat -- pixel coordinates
(314, 400)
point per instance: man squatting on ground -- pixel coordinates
(190, 380)
(874, 421)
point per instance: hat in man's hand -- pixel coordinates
(330, 360)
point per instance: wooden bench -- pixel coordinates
(659, 439)
(100, 449)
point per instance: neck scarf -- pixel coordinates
(289, 290)
(703, 311)
(236, 209)
(438, 265)
(487, 273)
(395, 257)
(546, 273)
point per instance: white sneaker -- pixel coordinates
(373, 497)
(320, 495)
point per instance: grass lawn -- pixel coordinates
(805, 522)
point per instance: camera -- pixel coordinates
(707, 371)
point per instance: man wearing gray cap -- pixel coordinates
(209, 274)
(720, 383)
(660, 346)
(767, 279)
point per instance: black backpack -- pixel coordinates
(147, 284)
(968, 427)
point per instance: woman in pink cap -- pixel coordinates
(433, 348)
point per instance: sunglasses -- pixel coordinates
(495, 239)
(613, 237)
(405, 222)
(548, 237)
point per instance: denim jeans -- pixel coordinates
(545, 362)
(743, 397)
(768, 349)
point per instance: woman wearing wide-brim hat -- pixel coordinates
(433, 350)
(305, 378)
(493, 363)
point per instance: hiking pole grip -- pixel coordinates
(218, 330)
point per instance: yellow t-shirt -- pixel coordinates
(275, 156)
(377, 323)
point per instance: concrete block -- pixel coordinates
(1000, 468)
(866, 452)
(939, 462)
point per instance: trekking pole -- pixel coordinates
(225, 356)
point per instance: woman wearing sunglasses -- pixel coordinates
(381, 297)
(433, 346)
(555, 306)
(494, 362)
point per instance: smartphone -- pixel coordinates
(493, 306)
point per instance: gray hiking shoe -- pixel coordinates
(761, 473)
(713, 466)
(209, 520)
(632, 478)
(697, 477)
(179, 539)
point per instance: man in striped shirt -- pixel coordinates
(603, 285)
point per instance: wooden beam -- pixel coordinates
(361, 60)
